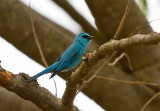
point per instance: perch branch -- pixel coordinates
(84, 84)
(117, 59)
(106, 62)
(97, 55)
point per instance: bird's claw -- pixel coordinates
(69, 74)
(97, 48)
(85, 57)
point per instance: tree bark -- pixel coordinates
(30, 91)
(11, 102)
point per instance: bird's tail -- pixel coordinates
(47, 70)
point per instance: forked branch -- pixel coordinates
(97, 55)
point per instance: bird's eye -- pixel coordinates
(85, 36)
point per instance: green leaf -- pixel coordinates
(143, 5)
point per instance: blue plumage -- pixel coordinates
(70, 58)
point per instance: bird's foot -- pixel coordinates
(69, 74)
(97, 48)
(85, 57)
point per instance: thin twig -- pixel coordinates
(36, 39)
(120, 57)
(139, 27)
(127, 82)
(149, 101)
(123, 20)
(84, 84)
(40, 49)
(94, 75)
(38, 44)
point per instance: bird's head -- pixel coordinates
(84, 38)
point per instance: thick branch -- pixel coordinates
(97, 55)
(109, 19)
(16, 14)
(9, 101)
(79, 19)
(30, 91)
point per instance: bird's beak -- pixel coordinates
(90, 37)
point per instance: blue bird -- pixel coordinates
(70, 58)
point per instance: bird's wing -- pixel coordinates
(67, 58)
(63, 63)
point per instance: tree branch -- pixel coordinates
(127, 82)
(84, 84)
(123, 20)
(37, 43)
(10, 101)
(97, 55)
(150, 100)
(23, 39)
(40, 50)
(120, 57)
(79, 19)
(30, 91)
